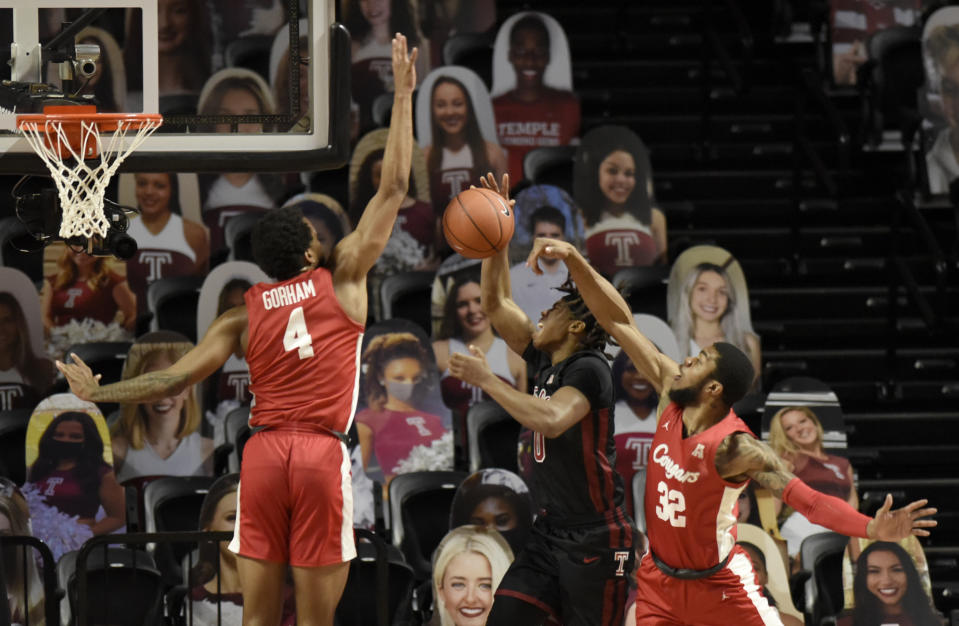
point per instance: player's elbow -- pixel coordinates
(554, 426)
(492, 303)
(394, 188)
(554, 431)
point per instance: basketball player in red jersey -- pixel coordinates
(301, 337)
(702, 456)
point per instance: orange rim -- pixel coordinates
(77, 115)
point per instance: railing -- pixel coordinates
(51, 593)
(129, 540)
(811, 92)
(933, 312)
(135, 543)
(713, 47)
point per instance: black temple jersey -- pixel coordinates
(574, 477)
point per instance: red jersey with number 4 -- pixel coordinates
(690, 509)
(303, 352)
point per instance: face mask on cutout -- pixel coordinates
(399, 390)
(66, 449)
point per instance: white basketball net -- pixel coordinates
(80, 186)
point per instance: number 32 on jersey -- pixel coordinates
(671, 505)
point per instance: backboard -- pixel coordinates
(243, 85)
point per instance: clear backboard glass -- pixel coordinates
(243, 85)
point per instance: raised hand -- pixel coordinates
(889, 525)
(549, 249)
(404, 66)
(489, 181)
(83, 383)
(473, 370)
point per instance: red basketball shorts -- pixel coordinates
(730, 596)
(295, 502)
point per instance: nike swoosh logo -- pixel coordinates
(590, 559)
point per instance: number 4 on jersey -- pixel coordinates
(297, 335)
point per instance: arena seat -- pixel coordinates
(419, 505)
(173, 302)
(237, 233)
(13, 437)
(124, 587)
(135, 507)
(473, 51)
(550, 165)
(821, 556)
(171, 504)
(888, 80)
(381, 567)
(407, 295)
(491, 436)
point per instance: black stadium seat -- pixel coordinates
(13, 439)
(124, 587)
(420, 514)
(492, 436)
(550, 165)
(376, 560)
(173, 302)
(171, 504)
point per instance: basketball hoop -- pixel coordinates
(66, 137)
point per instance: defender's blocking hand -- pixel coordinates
(548, 249)
(404, 66)
(890, 525)
(82, 381)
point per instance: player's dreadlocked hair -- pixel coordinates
(595, 337)
(280, 239)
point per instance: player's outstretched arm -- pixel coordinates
(221, 340)
(497, 295)
(551, 418)
(610, 310)
(741, 456)
(356, 253)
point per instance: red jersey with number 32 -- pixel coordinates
(303, 352)
(690, 509)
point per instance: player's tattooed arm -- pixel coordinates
(223, 338)
(145, 388)
(741, 456)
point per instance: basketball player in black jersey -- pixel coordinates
(577, 565)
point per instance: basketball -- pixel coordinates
(478, 223)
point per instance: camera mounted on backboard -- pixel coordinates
(40, 212)
(64, 127)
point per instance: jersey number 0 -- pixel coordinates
(297, 335)
(539, 447)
